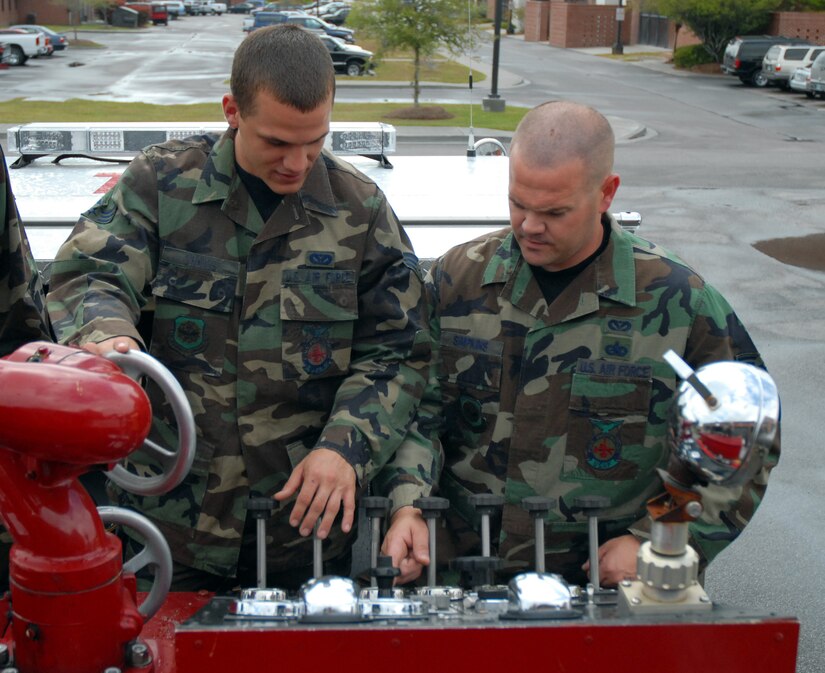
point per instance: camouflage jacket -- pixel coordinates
(22, 305)
(570, 399)
(298, 332)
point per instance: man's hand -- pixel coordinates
(326, 481)
(617, 560)
(408, 542)
(121, 344)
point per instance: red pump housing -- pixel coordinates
(64, 411)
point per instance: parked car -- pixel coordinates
(800, 81)
(46, 48)
(781, 59)
(817, 81)
(278, 7)
(744, 54)
(318, 9)
(244, 7)
(338, 17)
(262, 19)
(22, 45)
(59, 41)
(316, 25)
(159, 14)
(176, 8)
(349, 59)
(202, 7)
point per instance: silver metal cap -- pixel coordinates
(538, 591)
(725, 440)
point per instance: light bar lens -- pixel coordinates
(129, 139)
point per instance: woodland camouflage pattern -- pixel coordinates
(22, 306)
(571, 399)
(302, 331)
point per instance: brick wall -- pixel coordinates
(536, 20)
(45, 12)
(581, 26)
(8, 12)
(807, 25)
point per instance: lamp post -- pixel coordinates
(618, 48)
(494, 103)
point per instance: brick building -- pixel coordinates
(56, 12)
(592, 23)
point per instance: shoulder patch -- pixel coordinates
(103, 212)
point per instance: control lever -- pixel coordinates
(376, 508)
(383, 574)
(486, 504)
(538, 506)
(261, 509)
(478, 571)
(431, 509)
(317, 553)
(591, 505)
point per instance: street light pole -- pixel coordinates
(494, 103)
(618, 48)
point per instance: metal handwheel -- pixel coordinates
(155, 553)
(175, 464)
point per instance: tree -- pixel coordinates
(715, 22)
(802, 5)
(421, 26)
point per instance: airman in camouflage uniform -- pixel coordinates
(23, 315)
(22, 306)
(550, 339)
(300, 338)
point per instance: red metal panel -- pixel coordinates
(745, 647)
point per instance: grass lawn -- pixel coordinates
(20, 111)
(391, 67)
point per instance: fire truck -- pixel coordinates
(74, 607)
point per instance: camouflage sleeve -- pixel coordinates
(22, 305)
(100, 276)
(716, 335)
(391, 351)
(414, 469)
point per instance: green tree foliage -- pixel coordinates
(802, 5)
(419, 26)
(715, 22)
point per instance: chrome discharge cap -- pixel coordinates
(723, 419)
(539, 596)
(330, 599)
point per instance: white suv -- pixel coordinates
(781, 60)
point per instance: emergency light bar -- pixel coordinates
(113, 139)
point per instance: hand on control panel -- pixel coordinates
(407, 542)
(617, 560)
(326, 482)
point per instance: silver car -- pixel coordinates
(817, 82)
(781, 59)
(800, 81)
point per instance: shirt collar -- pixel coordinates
(219, 180)
(611, 276)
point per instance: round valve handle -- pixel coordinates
(155, 553)
(175, 464)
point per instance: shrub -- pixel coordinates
(691, 56)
